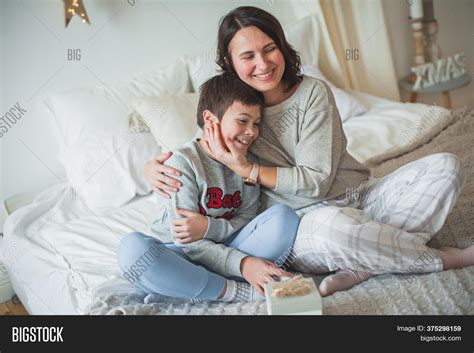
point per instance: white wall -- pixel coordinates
(121, 41)
(1, 113)
(1, 97)
(455, 34)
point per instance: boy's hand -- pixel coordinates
(190, 228)
(259, 271)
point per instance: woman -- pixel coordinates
(382, 225)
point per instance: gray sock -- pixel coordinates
(342, 280)
(240, 292)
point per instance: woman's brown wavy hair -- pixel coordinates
(246, 16)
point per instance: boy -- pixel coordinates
(209, 232)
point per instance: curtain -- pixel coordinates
(354, 48)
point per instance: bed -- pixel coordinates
(60, 250)
(60, 253)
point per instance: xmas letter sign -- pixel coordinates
(439, 71)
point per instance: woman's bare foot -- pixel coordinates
(456, 258)
(342, 280)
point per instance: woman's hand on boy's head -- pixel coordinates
(216, 141)
(226, 152)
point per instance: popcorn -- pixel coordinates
(295, 296)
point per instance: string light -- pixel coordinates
(75, 7)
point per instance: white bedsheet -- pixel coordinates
(58, 251)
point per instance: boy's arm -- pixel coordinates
(216, 257)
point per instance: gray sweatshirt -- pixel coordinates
(215, 191)
(304, 139)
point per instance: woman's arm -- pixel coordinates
(267, 176)
(318, 150)
(154, 173)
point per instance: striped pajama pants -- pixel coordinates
(384, 226)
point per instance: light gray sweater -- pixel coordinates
(304, 139)
(214, 190)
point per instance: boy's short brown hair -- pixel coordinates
(219, 92)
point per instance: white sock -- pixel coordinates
(159, 298)
(342, 280)
(240, 292)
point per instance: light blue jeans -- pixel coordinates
(156, 267)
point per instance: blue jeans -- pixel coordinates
(165, 269)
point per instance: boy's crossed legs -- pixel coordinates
(270, 235)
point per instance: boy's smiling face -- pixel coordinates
(240, 124)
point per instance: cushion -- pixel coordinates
(106, 169)
(97, 109)
(171, 119)
(201, 69)
(302, 35)
(347, 104)
(102, 158)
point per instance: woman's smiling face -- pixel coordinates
(257, 60)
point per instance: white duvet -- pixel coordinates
(58, 251)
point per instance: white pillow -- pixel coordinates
(171, 119)
(302, 35)
(201, 69)
(96, 109)
(106, 168)
(347, 104)
(87, 120)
